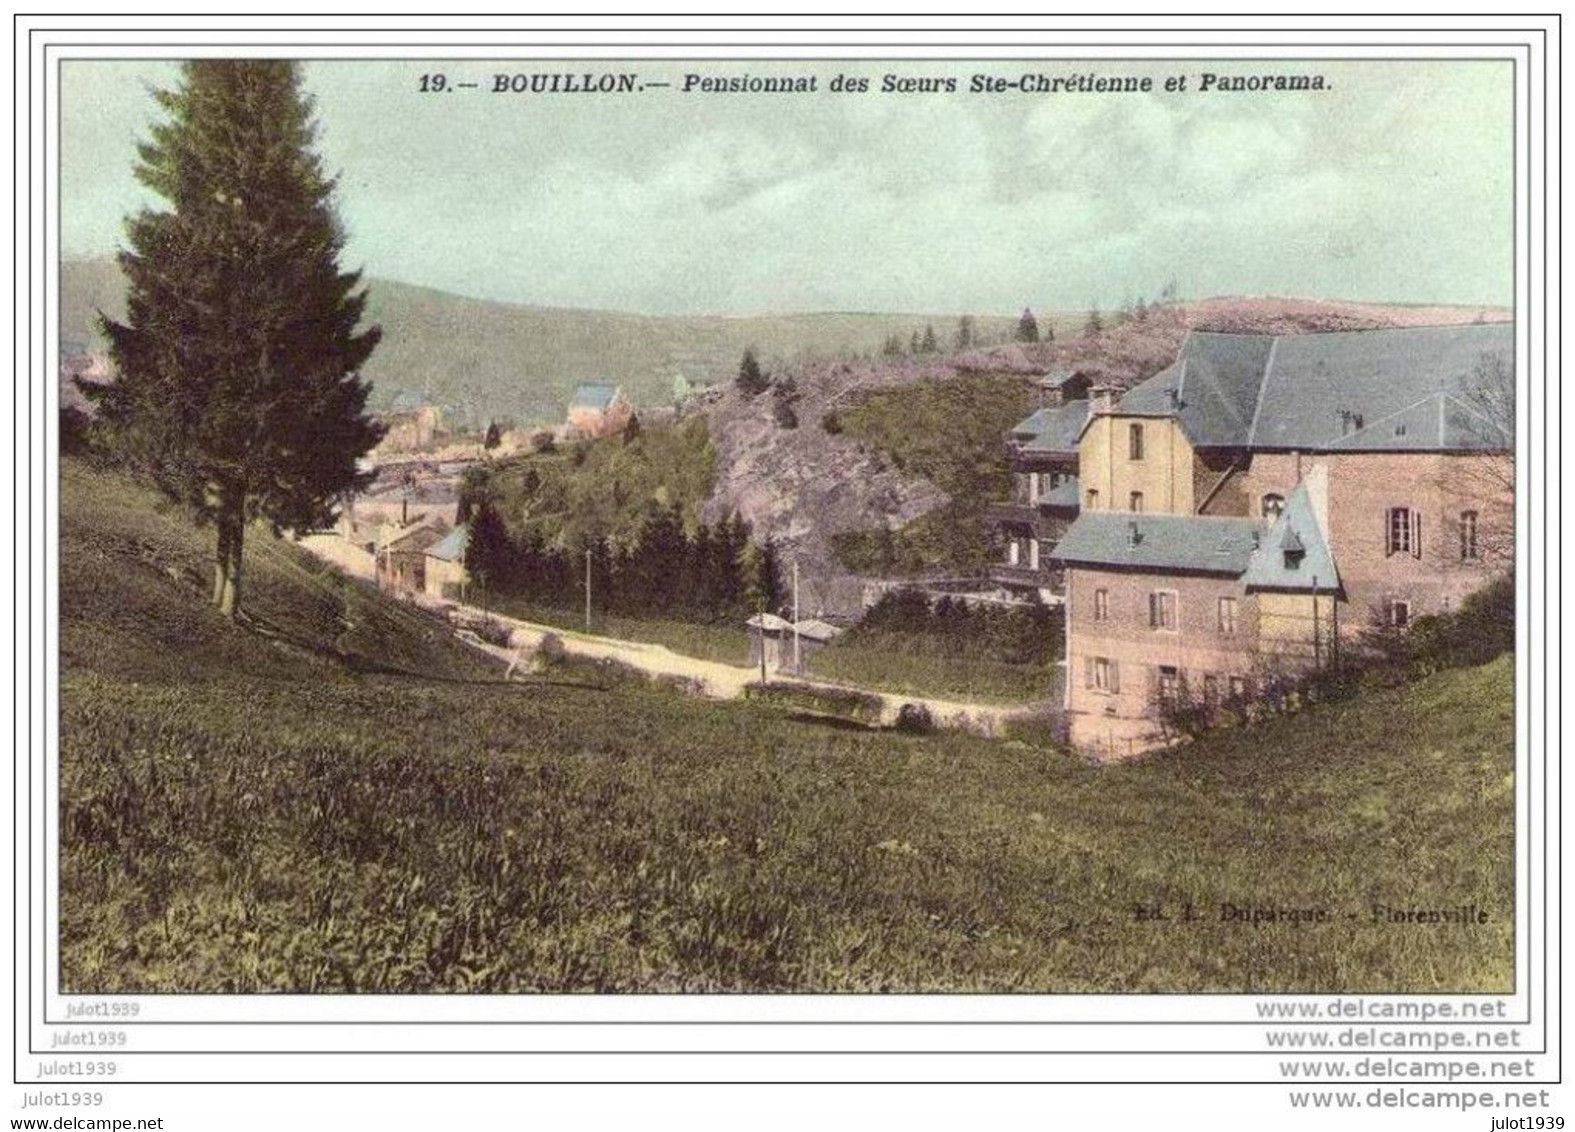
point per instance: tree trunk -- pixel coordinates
(227, 569)
(230, 604)
(221, 565)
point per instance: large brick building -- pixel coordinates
(1253, 507)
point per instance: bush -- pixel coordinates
(551, 651)
(832, 423)
(915, 719)
(495, 632)
(844, 703)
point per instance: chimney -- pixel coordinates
(1175, 398)
(1101, 400)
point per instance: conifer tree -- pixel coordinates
(1027, 327)
(751, 378)
(929, 344)
(239, 391)
(494, 437)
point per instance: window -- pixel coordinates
(1013, 552)
(1033, 554)
(1135, 441)
(1103, 675)
(1403, 532)
(1211, 689)
(1468, 536)
(1238, 687)
(1162, 610)
(1169, 684)
(1228, 616)
(1101, 605)
(1273, 505)
(1135, 501)
(1399, 614)
(1093, 500)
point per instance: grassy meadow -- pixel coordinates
(339, 798)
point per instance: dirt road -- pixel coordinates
(727, 681)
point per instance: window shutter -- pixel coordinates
(1389, 532)
(1115, 677)
(1416, 534)
(1153, 611)
(1088, 672)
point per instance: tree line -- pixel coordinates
(713, 573)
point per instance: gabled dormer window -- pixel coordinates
(1273, 505)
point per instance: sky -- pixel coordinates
(1394, 184)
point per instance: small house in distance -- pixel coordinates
(444, 568)
(776, 637)
(401, 558)
(412, 423)
(598, 409)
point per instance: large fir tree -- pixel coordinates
(239, 359)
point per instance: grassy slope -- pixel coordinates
(899, 662)
(243, 815)
(515, 362)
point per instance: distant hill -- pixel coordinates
(519, 363)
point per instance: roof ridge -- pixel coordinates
(1263, 385)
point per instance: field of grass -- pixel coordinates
(894, 665)
(952, 432)
(352, 803)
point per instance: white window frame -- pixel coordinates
(1227, 628)
(1101, 604)
(1470, 549)
(1033, 552)
(1395, 620)
(1274, 511)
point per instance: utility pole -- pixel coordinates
(762, 643)
(798, 660)
(587, 589)
(1317, 642)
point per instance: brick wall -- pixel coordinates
(1363, 486)
(1197, 648)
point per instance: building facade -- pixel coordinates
(598, 409)
(1265, 501)
(1044, 456)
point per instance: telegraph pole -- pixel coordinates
(798, 660)
(587, 589)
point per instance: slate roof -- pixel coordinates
(1198, 543)
(1053, 429)
(452, 547)
(1056, 378)
(1294, 554)
(593, 395)
(1409, 386)
(814, 629)
(1063, 494)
